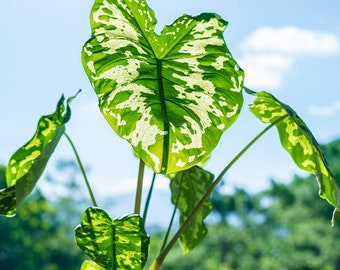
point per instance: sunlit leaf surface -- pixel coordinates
(300, 143)
(113, 244)
(90, 265)
(187, 189)
(28, 162)
(170, 95)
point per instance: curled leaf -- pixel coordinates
(28, 162)
(299, 142)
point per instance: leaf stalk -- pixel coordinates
(81, 167)
(138, 198)
(148, 198)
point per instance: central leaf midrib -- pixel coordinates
(166, 124)
(178, 39)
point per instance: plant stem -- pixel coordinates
(159, 260)
(139, 187)
(169, 228)
(148, 198)
(94, 203)
(172, 216)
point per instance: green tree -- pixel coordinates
(283, 227)
(40, 235)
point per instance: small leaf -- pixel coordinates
(90, 265)
(113, 244)
(28, 163)
(171, 96)
(187, 189)
(300, 143)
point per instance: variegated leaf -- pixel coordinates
(187, 189)
(300, 143)
(28, 163)
(170, 95)
(113, 244)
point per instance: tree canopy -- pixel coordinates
(283, 227)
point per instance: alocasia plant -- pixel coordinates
(171, 96)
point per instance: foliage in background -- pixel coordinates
(40, 236)
(283, 227)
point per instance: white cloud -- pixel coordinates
(268, 53)
(325, 110)
(292, 40)
(265, 70)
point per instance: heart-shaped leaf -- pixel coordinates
(113, 244)
(187, 189)
(171, 95)
(28, 162)
(300, 143)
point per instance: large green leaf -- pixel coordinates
(300, 143)
(170, 95)
(28, 162)
(113, 244)
(187, 189)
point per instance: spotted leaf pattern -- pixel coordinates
(187, 189)
(113, 244)
(28, 162)
(300, 143)
(171, 96)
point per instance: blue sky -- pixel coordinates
(290, 48)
